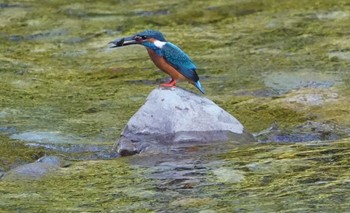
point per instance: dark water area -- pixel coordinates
(281, 68)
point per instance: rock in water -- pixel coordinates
(172, 116)
(34, 171)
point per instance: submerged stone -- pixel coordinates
(284, 82)
(229, 175)
(52, 160)
(308, 131)
(42, 137)
(174, 117)
(34, 171)
(339, 55)
(2, 172)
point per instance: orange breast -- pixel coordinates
(161, 63)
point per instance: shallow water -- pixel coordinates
(266, 62)
(308, 177)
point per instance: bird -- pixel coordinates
(168, 57)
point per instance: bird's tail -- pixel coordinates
(199, 86)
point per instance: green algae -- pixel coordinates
(301, 173)
(275, 177)
(14, 153)
(86, 186)
(55, 56)
(57, 74)
(263, 113)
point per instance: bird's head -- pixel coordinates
(149, 38)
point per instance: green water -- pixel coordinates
(60, 84)
(312, 177)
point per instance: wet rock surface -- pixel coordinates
(79, 151)
(35, 170)
(283, 83)
(309, 131)
(188, 169)
(2, 172)
(172, 117)
(51, 160)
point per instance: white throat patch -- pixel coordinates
(159, 44)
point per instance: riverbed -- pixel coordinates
(281, 68)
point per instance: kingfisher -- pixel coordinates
(165, 55)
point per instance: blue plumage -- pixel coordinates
(164, 52)
(152, 33)
(180, 61)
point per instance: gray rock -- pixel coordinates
(174, 116)
(52, 160)
(284, 82)
(306, 132)
(31, 171)
(340, 55)
(229, 175)
(34, 171)
(2, 172)
(332, 15)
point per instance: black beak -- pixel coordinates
(124, 41)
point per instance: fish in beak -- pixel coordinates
(120, 42)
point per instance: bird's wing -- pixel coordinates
(180, 61)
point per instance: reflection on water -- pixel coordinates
(43, 137)
(253, 178)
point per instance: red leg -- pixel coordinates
(171, 83)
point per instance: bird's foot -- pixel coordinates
(171, 83)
